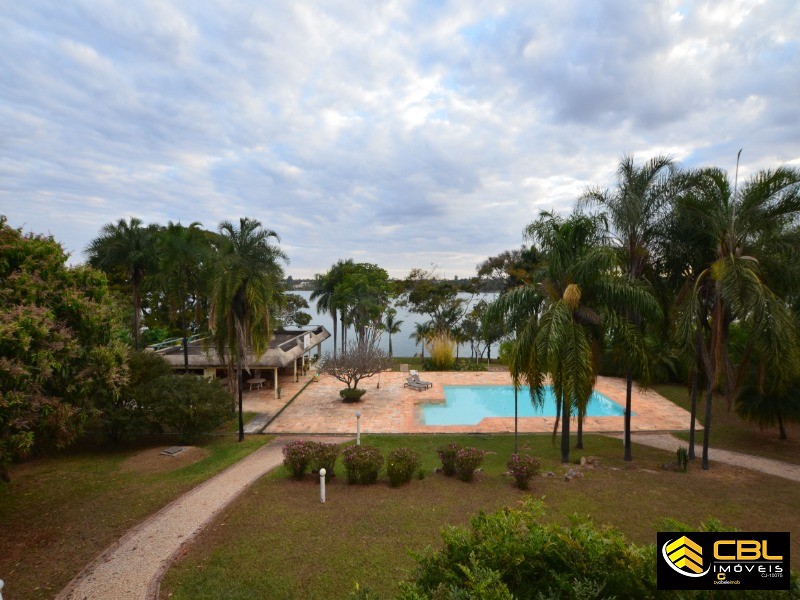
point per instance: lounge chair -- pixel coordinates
(410, 383)
(415, 377)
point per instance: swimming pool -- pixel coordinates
(468, 404)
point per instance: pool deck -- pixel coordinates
(393, 408)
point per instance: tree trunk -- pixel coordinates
(565, 418)
(695, 392)
(335, 335)
(240, 378)
(390, 345)
(628, 395)
(185, 344)
(135, 316)
(707, 423)
(781, 426)
(579, 445)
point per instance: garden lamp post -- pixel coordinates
(358, 428)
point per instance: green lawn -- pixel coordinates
(730, 432)
(278, 541)
(59, 512)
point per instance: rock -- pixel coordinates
(437, 470)
(583, 461)
(549, 474)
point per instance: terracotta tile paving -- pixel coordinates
(395, 409)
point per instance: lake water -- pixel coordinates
(402, 344)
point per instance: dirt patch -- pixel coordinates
(152, 461)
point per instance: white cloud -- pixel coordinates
(403, 133)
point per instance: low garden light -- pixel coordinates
(322, 473)
(358, 428)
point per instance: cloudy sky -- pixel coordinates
(407, 134)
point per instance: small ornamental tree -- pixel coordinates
(358, 361)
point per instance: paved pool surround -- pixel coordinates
(393, 408)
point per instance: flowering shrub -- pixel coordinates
(523, 468)
(297, 457)
(362, 463)
(448, 455)
(401, 465)
(467, 460)
(324, 457)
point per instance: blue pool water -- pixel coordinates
(467, 405)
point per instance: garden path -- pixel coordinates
(132, 567)
(666, 441)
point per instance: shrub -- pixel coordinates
(324, 457)
(469, 365)
(297, 457)
(526, 559)
(448, 456)
(683, 458)
(467, 460)
(352, 394)
(523, 468)
(401, 465)
(441, 349)
(362, 463)
(189, 404)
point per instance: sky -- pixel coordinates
(407, 134)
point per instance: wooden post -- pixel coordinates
(276, 383)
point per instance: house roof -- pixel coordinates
(285, 346)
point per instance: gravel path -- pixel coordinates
(132, 568)
(666, 441)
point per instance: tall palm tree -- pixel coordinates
(755, 241)
(561, 317)
(391, 325)
(125, 249)
(183, 254)
(246, 288)
(636, 211)
(324, 290)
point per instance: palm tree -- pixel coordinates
(125, 249)
(183, 254)
(560, 319)
(322, 291)
(421, 334)
(755, 243)
(636, 211)
(390, 325)
(246, 288)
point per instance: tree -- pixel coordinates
(636, 211)
(755, 240)
(323, 288)
(560, 320)
(362, 295)
(291, 312)
(425, 295)
(59, 349)
(421, 334)
(246, 291)
(361, 359)
(125, 249)
(183, 254)
(391, 325)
